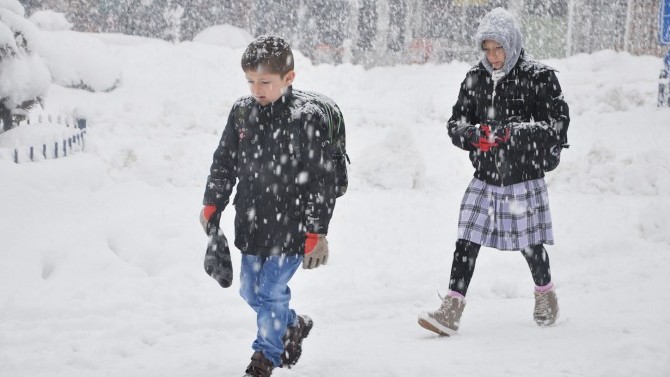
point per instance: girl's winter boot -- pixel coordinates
(446, 319)
(546, 307)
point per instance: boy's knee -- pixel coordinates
(248, 293)
(276, 294)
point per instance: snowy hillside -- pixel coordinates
(101, 271)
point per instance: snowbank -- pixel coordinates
(50, 20)
(224, 35)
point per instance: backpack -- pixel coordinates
(336, 134)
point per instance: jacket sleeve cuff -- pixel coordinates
(220, 203)
(316, 226)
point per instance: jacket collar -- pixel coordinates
(279, 105)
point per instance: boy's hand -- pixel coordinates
(316, 251)
(206, 214)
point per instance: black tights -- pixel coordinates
(465, 257)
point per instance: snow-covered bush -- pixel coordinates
(24, 78)
(95, 70)
(50, 20)
(79, 60)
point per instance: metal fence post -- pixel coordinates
(664, 83)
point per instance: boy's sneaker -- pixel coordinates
(546, 308)
(293, 340)
(260, 366)
(446, 319)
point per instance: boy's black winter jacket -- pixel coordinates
(281, 157)
(529, 99)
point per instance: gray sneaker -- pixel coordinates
(546, 308)
(445, 320)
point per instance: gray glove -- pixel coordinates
(318, 255)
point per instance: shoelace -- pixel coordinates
(542, 304)
(446, 304)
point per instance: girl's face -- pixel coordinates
(268, 87)
(495, 54)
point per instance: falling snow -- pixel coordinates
(102, 251)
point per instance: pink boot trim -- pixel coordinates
(544, 288)
(456, 294)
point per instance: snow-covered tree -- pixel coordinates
(24, 78)
(380, 32)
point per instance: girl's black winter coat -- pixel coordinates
(530, 101)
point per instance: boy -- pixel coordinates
(512, 119)
(277, 146)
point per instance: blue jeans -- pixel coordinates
(264, 286)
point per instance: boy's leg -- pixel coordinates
(272, 304)
(249, 275)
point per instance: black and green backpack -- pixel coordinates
(336, 133)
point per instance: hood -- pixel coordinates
(499, 25)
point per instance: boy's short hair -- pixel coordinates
(270, 53)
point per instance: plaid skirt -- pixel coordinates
(506, 218)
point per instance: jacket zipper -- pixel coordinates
(495, 152)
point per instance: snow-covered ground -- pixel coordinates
(101, 252)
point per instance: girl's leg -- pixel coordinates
(546, 308)
(463, 267)
(446, 319)
(538, 262)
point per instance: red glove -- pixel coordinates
(316, 251)
(310, 242)
(488, 140)
(208, 211)
(206, 214)
(485, 142)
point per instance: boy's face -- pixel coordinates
(495, 53)
(268, 87)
